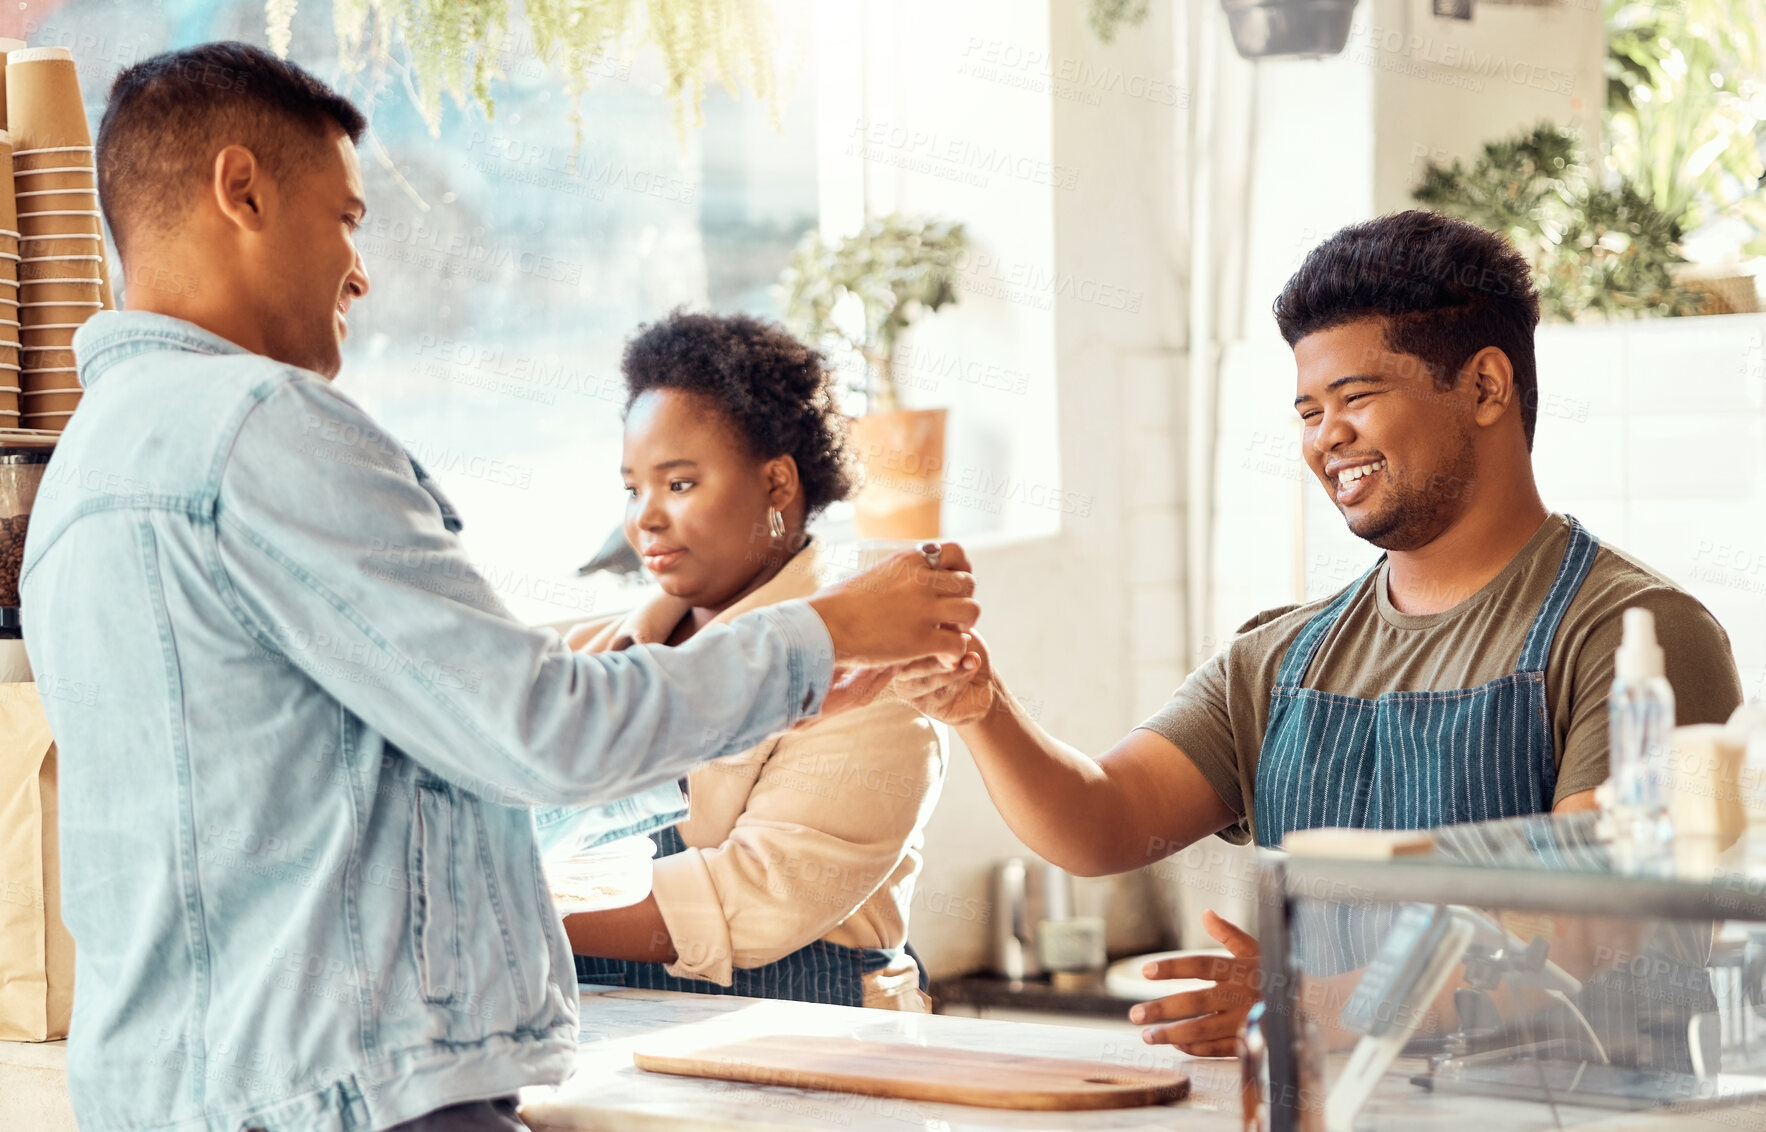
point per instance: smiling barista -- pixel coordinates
(1463, 678)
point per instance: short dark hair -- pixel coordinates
(1445, 289)
(170, 114)
(772, 389)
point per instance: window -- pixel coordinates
(508, 268)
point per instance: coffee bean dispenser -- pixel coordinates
(21, 471)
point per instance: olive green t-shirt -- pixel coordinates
(1218, 716)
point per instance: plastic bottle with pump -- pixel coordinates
(1640, 715)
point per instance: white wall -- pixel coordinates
(1654, 435)
(1072, 283)
(1445, 87)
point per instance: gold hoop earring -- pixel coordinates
(775, 522)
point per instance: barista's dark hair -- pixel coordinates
(771, 388)
(169, 116)
(1444, 288)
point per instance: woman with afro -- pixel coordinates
(794, 871)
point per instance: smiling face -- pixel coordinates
(310, 252)
(697, 500)
(1393, 451)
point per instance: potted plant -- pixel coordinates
(1607, 252)
(858, 296)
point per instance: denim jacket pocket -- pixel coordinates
(435, 895)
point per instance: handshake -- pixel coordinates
(909, 620)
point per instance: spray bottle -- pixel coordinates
(1640, 713)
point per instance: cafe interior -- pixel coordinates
(1252, 797)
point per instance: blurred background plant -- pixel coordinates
(1595, 250)
(1683, 162)
(459, 47)
(893, 271)
(1686, 115)
(1107, 17)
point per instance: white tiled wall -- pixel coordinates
(1654, 435)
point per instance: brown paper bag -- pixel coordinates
(36, 952)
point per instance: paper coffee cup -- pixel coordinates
(58, 380)
(54, 203)
(49, 304)
(51, 361)
(50, 383)
(57, 335)
(61, 172)
(59, 222)
(73, 268)
(63, 169)
(59, 259)
(75, 287)
(60, 314)
(44, 109)
(9, 408)
(42, 198)
(55, 401)
(48, 422)
(41, 357)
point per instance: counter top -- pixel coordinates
(609, 1092)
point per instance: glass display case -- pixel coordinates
(1514, 976)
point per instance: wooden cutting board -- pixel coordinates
(925, 1073)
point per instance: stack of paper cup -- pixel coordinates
(61, 269)
(9, 321)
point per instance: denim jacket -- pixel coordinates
(301, 742)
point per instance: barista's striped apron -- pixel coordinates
(1412, 760)
(821, 972)
(1419, 760)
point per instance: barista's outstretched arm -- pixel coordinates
(1141, 800)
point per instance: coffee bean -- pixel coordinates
(12, 555)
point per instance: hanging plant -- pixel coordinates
(454, 45)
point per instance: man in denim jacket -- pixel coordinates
(299, 858)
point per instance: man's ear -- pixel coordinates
(242, 189)
(782, 483)
(1493, 381)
